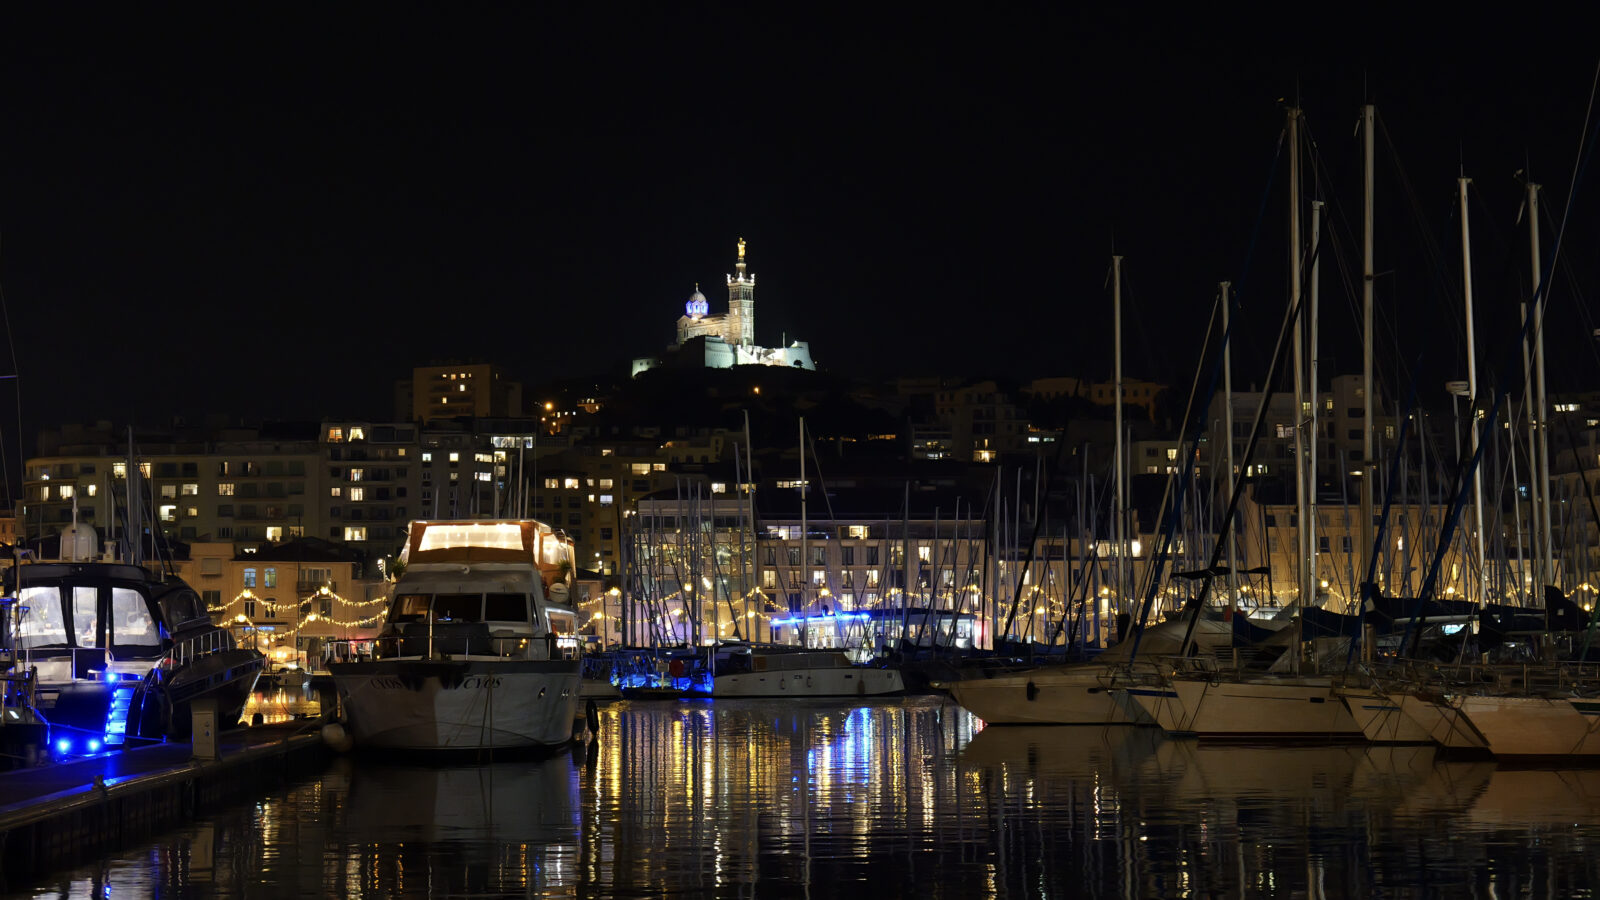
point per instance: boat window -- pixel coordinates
(457, 607)
(42, 624)
(561, 623)
(131, 624)
(85, 615)
(410, 607)
(179, 607)
(505, 607)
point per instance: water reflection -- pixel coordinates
(797, 798)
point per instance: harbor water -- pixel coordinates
(902, 797)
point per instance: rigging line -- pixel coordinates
(1176, 490)
(12, 499)
(1275, 368)
(1584, 313)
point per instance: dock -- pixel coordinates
(55, 815)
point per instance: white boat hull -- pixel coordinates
(470, 704)
(1443, 723)
(1536, 726)
(1267, 709)
(1381, 718)
(1070, 695)
(830, 681)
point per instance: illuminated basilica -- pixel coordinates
(727, 339)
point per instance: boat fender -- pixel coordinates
(334, 735)
(1033, 691)
(591, 715)
(808, 681)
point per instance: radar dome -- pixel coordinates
(79, 543)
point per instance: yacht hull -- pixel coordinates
(1444, 724)
(440, 706)
(1536, 727)
(822, 681)
(1263, 709)
(1381, 718)
(1063, 696)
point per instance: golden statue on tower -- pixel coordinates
(741, 249)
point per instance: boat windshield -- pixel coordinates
(505, 607)
(42, 624)
(131, 624)
(85, 615)
(445, 607)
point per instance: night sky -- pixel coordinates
(275, 216)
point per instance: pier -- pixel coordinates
(53, 815)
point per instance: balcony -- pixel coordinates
(306, 588)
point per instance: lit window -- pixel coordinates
(250, 578)
(119, 470)
(190, 489)
(274, 532)
(191, 511)
(91, 489)
(455, 457)
(924, 553)
(225, 489)
(640, 468)
(719, 487)
(66, 492)
(335, 491)
(357, 494)
(570, 484)
(355, 532)
(606, 499)
(607, 451)
(606, 484)
(357, 474)
(658, 467)
(335, 435)
(357, 433)
(427, 456)
(482, 476)
(269, 576)
(168, 491)
(1172, 453)
(552, 483)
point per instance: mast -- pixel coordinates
(1369, 480)
(1302, 529)
(1472, 388)
(1541, 405)
(1119, 526)
(805, 563)
(1227, 441)
(1313, 548)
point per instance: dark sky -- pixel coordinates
(275, 215)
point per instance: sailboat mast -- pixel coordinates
(1312, 521)
(1302, 527)
(1227, 441)
(1472, 388)
(1541, 405)
(805, 575)
(1122, 487)
(1369, 485)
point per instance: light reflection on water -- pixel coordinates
(797, 798)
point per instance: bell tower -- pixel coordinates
(741, 304)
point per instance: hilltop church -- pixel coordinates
(727, 339)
